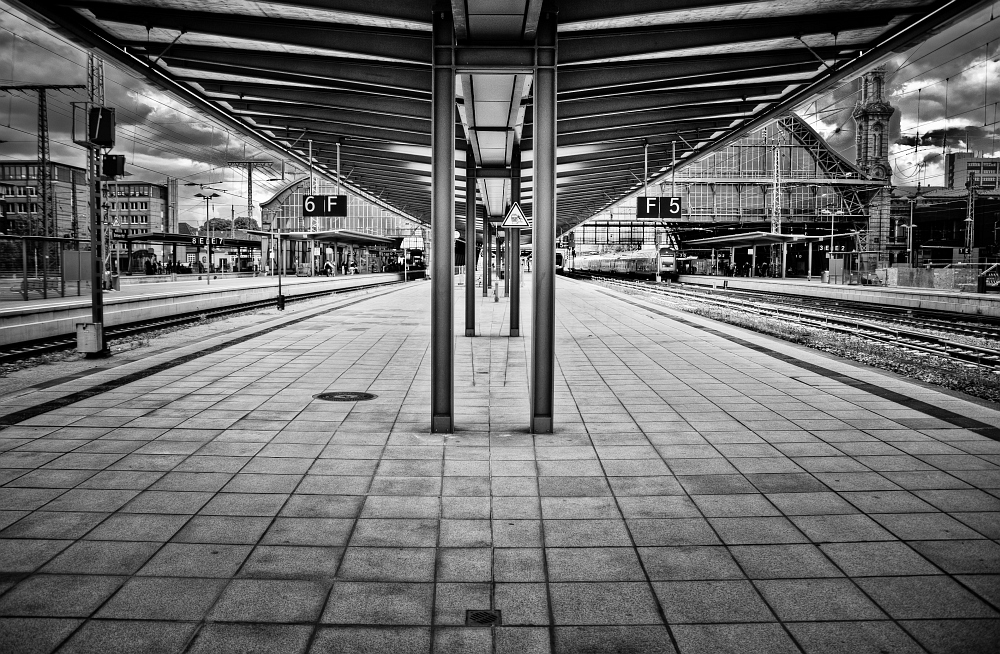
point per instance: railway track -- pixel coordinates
(854, 321)
(30, 349)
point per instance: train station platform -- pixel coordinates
(706, 490)
(975, 304)
(57, 316)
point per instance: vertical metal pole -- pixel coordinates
(673, 165)
(442, 222)
(96, 249)
(338, 167)
(506, 262)
(470, 242)
(24, 268)
(543, 342)
(909, 237)
(809, 264)
(515, 245)
(208, 247)
(487, 254)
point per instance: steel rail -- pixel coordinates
(851, 325)
(30, 349)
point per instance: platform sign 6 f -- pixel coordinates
(666, 207)
(324, 205)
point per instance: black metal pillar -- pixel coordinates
(470, 242)
(97, 254)
(544, 227)
(514, 246)
(442, 222)
(487, 253)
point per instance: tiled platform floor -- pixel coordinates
(699, 496)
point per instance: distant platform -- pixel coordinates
(46, 318)
(976, 304)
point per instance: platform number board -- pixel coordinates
(324, 205)
(665, 207)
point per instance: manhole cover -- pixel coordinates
(345, 396)
(482, 618)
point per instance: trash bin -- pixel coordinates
(825, 277)
(116, 283)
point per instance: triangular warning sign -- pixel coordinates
(514, 218)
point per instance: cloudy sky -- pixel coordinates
(945, 91)
(159, 137)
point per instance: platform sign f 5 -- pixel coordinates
(324, 205)
(666, 207)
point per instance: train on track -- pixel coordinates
(638, 264)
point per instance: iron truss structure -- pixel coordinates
(697, 74)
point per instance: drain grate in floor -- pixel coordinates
(345, 396)
(482, 618)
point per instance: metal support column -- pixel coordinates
(487, 254)
(470, 242)
(543, 239)
(809, 264)
(442, 222)
(515, 245)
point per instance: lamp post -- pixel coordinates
(909, 234)
(208, 232)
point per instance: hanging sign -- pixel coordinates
(324, 205)
(514, 218)
(666, 207)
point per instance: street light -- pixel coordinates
(208, 232)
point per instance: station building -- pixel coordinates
(784, 172)
(21, 205)
(373, 237)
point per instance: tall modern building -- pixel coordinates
(138, 207)
(959, 165)
(22, 205)
(871, 116)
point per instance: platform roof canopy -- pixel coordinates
(695, 73)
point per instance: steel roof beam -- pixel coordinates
(634, 103)
(384, 77)
(333, 116)
(652, 118)
(654, 134)
(370, 104)
(392, 45)
(601, 45)
(636, 76)
(317, 129)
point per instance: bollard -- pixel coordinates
(496, 291)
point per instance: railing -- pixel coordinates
(36, 267)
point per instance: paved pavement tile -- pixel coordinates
(695, 498)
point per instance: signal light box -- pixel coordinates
(665, 207)
(324, 205)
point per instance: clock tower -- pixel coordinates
(871, 116)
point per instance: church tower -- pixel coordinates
(871, 116)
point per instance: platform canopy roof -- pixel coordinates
(695, 73)
(751, 239)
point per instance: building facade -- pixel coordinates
(138, 208)
(21, 208)
(958, 166)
